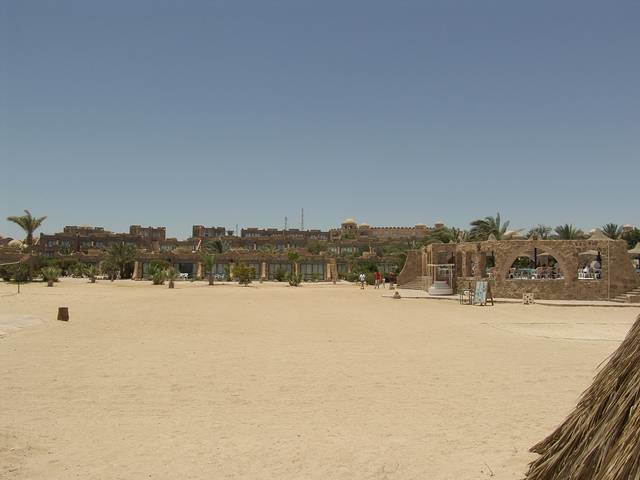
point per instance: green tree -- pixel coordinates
(214, 246)
(244, 274)
(209, 263)
(121, 257)
(632, 237)
(171, 274)
(157, 271)
(612, 230)
(91, 272)
(482, 228)
(316, 246)
(459, 234)
(540, 231)
(109, 268)
(28, 223)
(294, 277)
(79, 269)
(568, 232)
(50, 275)
(294, 258)
(268, 249)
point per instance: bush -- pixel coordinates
(79, 270)
(158, 277)
(171, 274)
(50, 274)
(349, 277)
(91, 272)
(158, 271)
(280, 275)
(244, 274)
(6, 273)
(295, 280)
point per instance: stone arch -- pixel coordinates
(504, 261)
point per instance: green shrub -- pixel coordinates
(171, 274)
(19, 272)
(91, 272)
(50, 274)
(6, 273)
(158, 277)
(158, 271)
(349, 277)
(280, 275)
(244, 274)
(295, 279)
(79, 270)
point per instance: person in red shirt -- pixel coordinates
(378, 278)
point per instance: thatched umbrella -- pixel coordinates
(599, 439)
(635, 251)
(598, 235)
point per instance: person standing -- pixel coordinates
(377, 279)
(362, 279)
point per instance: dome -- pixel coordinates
(15, 243)
(420, 225)
(364, 225)
(349, 221)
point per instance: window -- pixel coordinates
(274, 268)
(312, 270)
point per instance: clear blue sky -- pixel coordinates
(393, 112)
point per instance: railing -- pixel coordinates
(584, 274)
(540, 273)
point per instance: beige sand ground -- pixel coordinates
(272, 382)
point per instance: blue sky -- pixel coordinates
(392, 112)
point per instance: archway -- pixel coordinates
(533, 261)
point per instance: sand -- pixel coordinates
(274, 382)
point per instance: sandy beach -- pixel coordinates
(274, 382)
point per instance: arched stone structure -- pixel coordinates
(618, 274)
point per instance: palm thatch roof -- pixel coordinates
(599, 439)
(598, 235)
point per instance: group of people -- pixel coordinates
(378, 279)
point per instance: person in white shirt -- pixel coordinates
(362, 279)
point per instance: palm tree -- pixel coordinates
(540, 231)
(294, 277)
(50, 274)
(28, 223)
(171, 274)
(612, 230)
(268, 249)
(120, 256)
(568, 232)
(215, 246)
(294, 258)
(209, 262)
(482, 228)
(91, 273)
(108, 267)
(459, 235)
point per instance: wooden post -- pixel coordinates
(63, 314)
